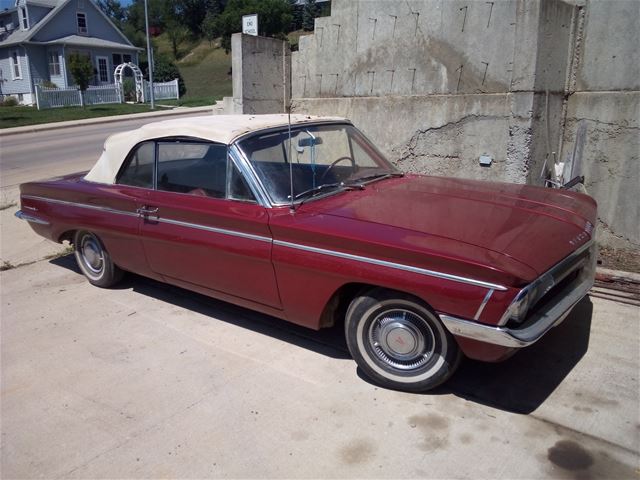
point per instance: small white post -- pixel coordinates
(37, 97)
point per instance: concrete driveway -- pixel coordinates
(151, 381)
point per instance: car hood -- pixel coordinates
(535, 226)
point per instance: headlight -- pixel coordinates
(527, 297)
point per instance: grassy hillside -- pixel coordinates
(206, 69)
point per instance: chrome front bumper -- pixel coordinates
(534, 327)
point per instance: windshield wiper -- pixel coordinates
(312, 192)
(375, 176)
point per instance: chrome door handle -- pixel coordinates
(144, 211)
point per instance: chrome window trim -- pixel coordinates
(246, 135)
(397, 266)
(245, 168)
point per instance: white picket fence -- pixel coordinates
(162, 91)
(71, 96)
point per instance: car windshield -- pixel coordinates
(324, 159)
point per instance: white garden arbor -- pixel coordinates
(137, 76)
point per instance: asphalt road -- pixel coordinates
(150, 381)
(36, 156)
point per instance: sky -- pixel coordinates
(10, 3)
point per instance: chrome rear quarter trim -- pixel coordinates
(30, 218)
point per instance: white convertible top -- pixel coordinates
(216, 128)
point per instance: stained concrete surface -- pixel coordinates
(147, 380)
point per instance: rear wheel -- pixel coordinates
(399, 342)
(94, 260)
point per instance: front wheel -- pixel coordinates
(94, 260)
(399, 342)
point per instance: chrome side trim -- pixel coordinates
(483, 304)
(536, 327)
(161, 220)
(30, 218)
(397, 266)
(207, 228)
(82, 205)
(322, 251)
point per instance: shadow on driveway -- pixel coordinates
(520, 384)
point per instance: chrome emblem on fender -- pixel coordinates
(588, 227)
(579, 238)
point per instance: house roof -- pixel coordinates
(45, 3)
(80, 41)
(19, 36)
(216, 128)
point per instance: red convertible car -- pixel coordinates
(304, 219)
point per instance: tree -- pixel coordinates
(309, 13)
(164, 70)
(82, 71)
(209, 25)
(176, 33)
(274, 18)
(114, 11)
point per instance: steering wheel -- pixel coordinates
(354, 167)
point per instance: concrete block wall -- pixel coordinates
(261, 74)
(436, 83)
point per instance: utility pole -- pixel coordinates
(149, 56)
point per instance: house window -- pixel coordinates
(103, 69)
(117, 59)
(16, 70)
(126, 58)
(25, 19)
(82, 23)
(54, 63)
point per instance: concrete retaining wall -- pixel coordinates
(437, 83)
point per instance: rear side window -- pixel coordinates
(137, 170)
(194, 168)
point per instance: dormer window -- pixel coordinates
(24, 18)
(82, 23)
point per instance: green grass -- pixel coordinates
(21, 116)
(205, 68)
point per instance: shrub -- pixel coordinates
(129, 89)
(48, 84)
(9, 102)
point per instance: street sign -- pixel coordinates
(250, 24)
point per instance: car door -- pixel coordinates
(201, 224)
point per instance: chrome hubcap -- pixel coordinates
(92, 254)
(401, 339)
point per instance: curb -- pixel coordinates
(608, 275)
(115, 118)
